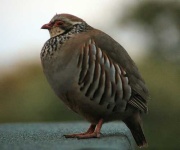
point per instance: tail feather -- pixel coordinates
(133, 123)
(139, 137)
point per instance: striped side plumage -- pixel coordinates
(103, 80)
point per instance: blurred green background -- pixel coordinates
(25, 95)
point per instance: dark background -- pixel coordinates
(25, 95)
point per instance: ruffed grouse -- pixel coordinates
(94, 76)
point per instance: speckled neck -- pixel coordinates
(53, 43)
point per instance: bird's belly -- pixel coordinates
(84, 106)
(68, 90)
(91, 110)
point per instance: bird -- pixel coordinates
(94, 76)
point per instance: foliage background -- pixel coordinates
(25, 95)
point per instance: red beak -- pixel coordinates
(47, 26)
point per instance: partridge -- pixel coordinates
(94, 76)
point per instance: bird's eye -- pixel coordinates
(58, 23)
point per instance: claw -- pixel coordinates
(87, 136)
(92, 132)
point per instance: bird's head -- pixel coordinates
(61, 23)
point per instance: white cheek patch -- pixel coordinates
(74, 23)
(56, 31)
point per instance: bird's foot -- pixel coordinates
(92, 132)
(74, 135)
(83, 135)
(89, 135)
(89, 131)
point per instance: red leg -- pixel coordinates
(95, 134)
(89, 131)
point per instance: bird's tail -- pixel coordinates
(133, 123)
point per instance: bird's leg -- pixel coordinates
(89, 131)
(94, 134)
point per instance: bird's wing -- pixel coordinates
(140, 94)
(101, 79)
